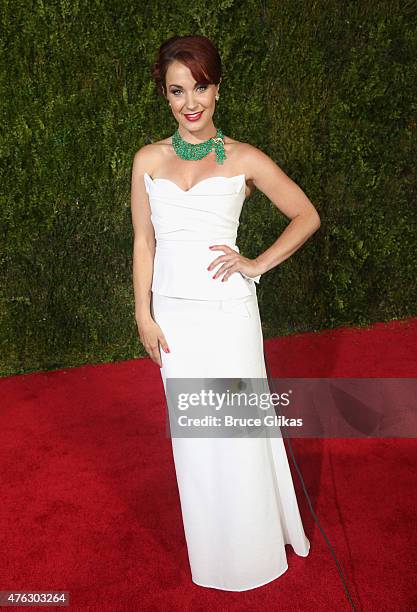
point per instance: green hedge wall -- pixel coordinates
(327, 89)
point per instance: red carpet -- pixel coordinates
(89, 501)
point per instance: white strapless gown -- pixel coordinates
(238, 502)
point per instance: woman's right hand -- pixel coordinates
(151, 335)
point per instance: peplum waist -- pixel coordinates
(180, 270)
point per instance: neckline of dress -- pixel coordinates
(209, 178)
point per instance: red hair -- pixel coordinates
(197, 53)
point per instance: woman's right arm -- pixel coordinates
(143, 257)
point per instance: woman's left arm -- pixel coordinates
(289, 198)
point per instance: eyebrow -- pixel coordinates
(180, 86)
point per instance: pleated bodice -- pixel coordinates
(186, 223)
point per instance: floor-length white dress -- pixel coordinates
(238, 501)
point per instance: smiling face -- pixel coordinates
(193, 104)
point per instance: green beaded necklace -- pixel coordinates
(189, 151)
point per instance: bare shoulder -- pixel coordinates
(263, 173)
(252, 153)
(146, 158)
(255, 161)
(246, 157)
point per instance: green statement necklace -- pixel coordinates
(186, 150)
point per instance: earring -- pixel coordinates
(217, 96)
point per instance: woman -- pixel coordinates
(195, 298)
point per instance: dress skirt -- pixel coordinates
(238, 502)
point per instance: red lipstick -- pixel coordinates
(194, 116)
